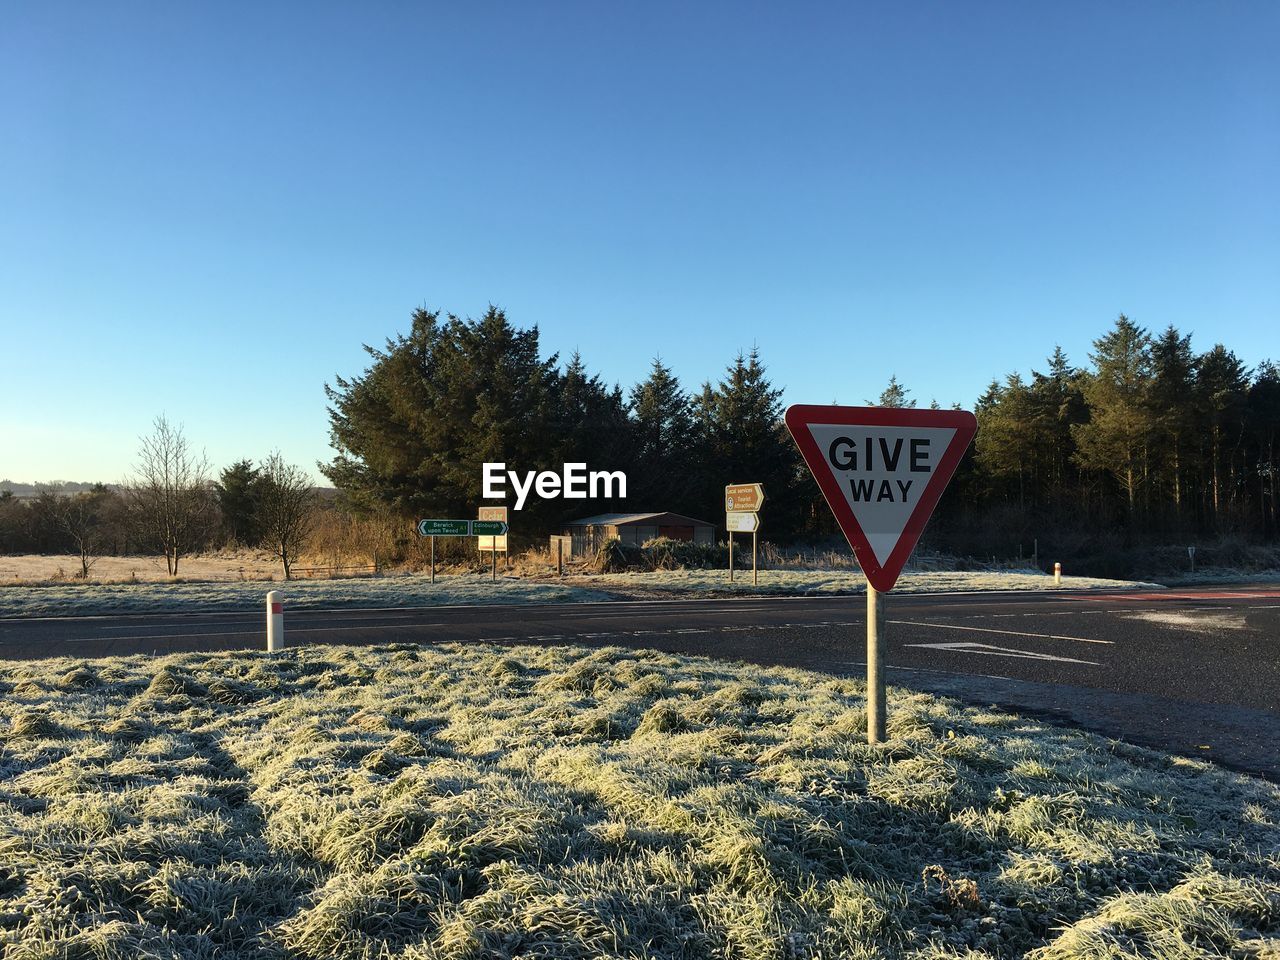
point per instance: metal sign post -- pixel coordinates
(497, 541)
(731, 556)
(882, 471)
(441, 528)
(492, 530)
(875, 667)
(755, 576)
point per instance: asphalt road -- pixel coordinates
(1195, 671)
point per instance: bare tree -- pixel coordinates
(169, 493)
(80, 517)
(287, 510)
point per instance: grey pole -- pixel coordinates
(433, 559)
(495, 559)
(755, 576)
(875, 667)
(559, 557)
(731, 556)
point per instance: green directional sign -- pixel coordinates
(488, 528)
(444, 528)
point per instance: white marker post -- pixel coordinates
(1057, 574)
(275, 622)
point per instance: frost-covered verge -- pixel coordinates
(1223, 575)
(486, 802)
(413, 590)
(409, 590)
(842, 581)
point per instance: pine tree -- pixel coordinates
(1264, 430)
(239, 493)
(1221, 392)
(750, 444)
(1007, 434)
(591, 426)
(1057, 403)
(894, 395)
(1173, 377)
(1116, 438)
(662, 432)
(414, 430)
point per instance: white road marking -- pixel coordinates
(948, 673)
(1012, 633)
(987, 650)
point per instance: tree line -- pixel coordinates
(1150, 441)
(1152, 438)
(170, 505)
(414, 429)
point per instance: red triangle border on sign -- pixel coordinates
(798, 418)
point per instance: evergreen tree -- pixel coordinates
(1007, 434)
(1264, 430)
(662, 433)
(239, 493)
(591, 426)
(1116, 438)
(894, 395)
(1057, 403)
(1172, 404)
(414, 430)
(1221, 393)
(750, 444)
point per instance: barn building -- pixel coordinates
(589, 533)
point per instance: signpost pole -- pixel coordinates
(559, 557)
(838, 445)
(494, 554)
(755, 576)
(875, 667)
(433, 559)
(731, 556)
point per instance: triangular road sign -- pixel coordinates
(882, 470)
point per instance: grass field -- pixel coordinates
(840, 581)
(477, 802)
(223, 565)
(411, 590)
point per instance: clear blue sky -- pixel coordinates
(206, 209)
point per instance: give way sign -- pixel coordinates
(882, 470)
